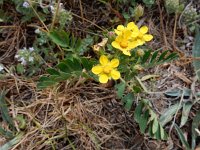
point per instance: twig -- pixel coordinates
(162, 24)
(81, 9)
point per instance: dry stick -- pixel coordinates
(38, 16)
(174, 37)
(89, 22)
(52, 25)
(162, 24)
(55, 14)
(81, 9)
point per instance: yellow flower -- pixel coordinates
(131, 26)
(124, 43)
(106, 69)
(142, 36)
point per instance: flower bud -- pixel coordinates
(140, 52)
(139, 11)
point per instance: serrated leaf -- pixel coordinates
(120, 89)
(195, 125)
(155, 126)
(167, 116)
(185, 113)
(59, 37)
(196, 53)
(75, 65)
(182, 137)
(64, 67)
(128, 100)
(87, 63)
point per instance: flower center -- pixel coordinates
(124, 44)
(107, 69)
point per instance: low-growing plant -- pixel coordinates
(121, 57)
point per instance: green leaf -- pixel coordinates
(162, 132)
(167, 116)
(44, 82)
(120, 89)
(12, 142)
(171, 57)
(146, 56)
(143, 121)
(196, 53)
(4, 111)
(128, 100)
(6, 134)
(87, 63)
(182, 137)
(22, 121)
(195, 125)
(185, 113)
(138, 112)
(178, 93)
(59, 37)
(20, 68)
(52, 71)
(75, 65)
(64, 67)
(154, 56)
(155, 126)
(162, 56)
(157, 134)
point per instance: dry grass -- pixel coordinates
(87, 117)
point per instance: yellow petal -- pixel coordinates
(115, 74)
(140, 42)
(117, 32)
(132, 44)
(126, 52)
(147, 37)
(97, 69)
(103, 78)
(131, 25)
(127, 34)
(144, 29)
(114, 63)
(135, 33)
(115, 44)
(120, 27)
(103, 60)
